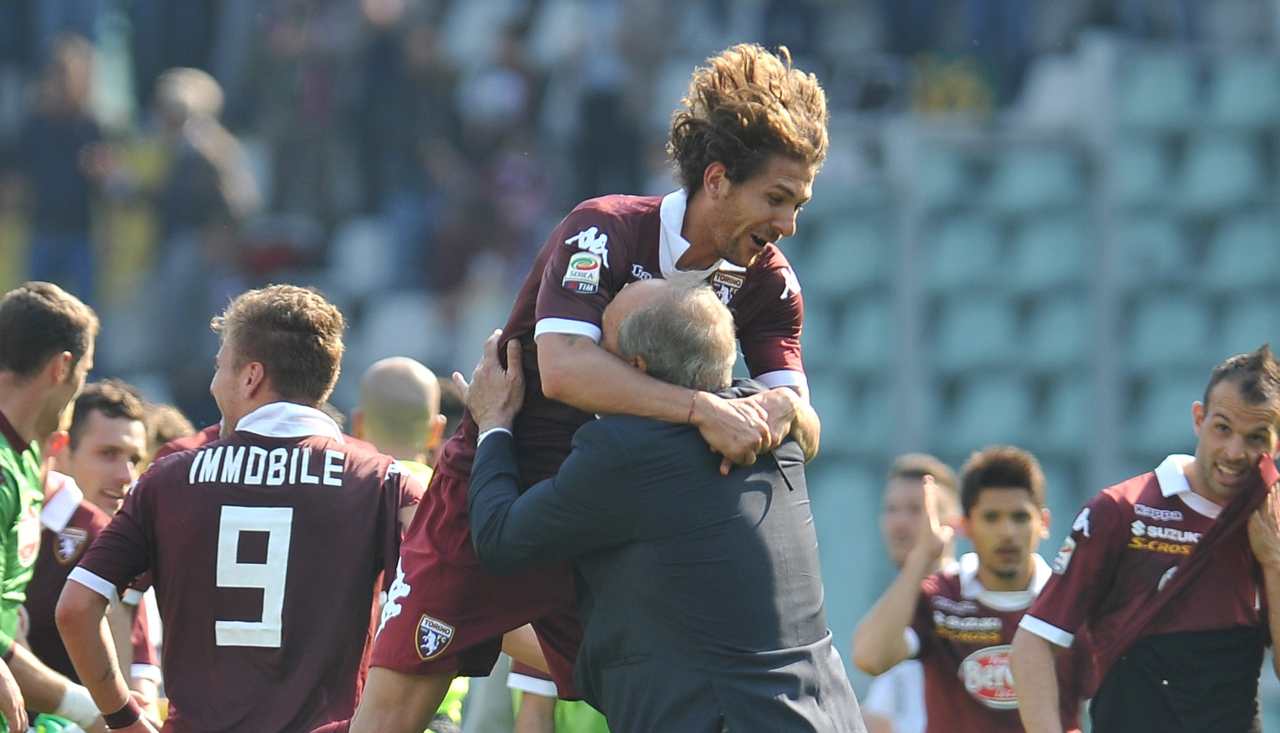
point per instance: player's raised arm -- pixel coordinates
(880, 640)
(1264, 540)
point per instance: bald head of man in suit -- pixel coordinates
(399, 410)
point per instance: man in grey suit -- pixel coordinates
(700, 592)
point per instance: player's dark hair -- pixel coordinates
(165, 423)
(1000, 467)
(1257, 373)
(742, 107)
(293, 332)
(39, 320)
(112, 397)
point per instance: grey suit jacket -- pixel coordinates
(700, 594)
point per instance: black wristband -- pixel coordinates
(125, 716)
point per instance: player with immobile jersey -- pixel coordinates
(264, 546)
(747, 142)
(959, 621)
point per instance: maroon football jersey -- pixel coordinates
(264, 550)
(601, 246)
(68, 526)
(188, 442)
(1123, 547)
(962, 635)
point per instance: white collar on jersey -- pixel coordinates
(289, 420)
(1171, 476)
(60, 507)
(971, 587)
(672, 245)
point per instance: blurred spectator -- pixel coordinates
(168, 35)
(60, 161)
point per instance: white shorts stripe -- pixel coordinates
(535, 685)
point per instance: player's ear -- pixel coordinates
(58, 369)
(253, 378)
(1044, 523)
(435, 433)
(715, 180)
(1197, 415)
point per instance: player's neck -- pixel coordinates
(696, 230)
(1006, 584)
(20, 403)
(1192, 474)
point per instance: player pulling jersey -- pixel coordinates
(264, 548)
(452, 613)
(21, 496)
(1201, 656)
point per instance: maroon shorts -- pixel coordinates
(446, 613)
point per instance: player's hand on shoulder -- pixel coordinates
(1264, 531)
(933, 534)
(494, 395)
(736, 429)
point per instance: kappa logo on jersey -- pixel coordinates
(70, 543)
(433, 637)
(792, 286)
(390, 602)
(988, 679)
(28, 537)
(639, 273)
(1081, 524)
(1063, 558)
(591, 240)
(1160, 515)
(726, 285)
(583, 273)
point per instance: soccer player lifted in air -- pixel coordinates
(747, 143)
(264, 546)
(1162, 581)
(959, 621)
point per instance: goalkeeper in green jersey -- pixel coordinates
(46, 351)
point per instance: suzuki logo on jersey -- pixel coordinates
(988, 679)
(433, 637)
(1141, 529)
(583, 273)
(591, 240)
(70, 543)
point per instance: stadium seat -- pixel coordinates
(866, 340)
(849, 253)
(1068, 414)
(1064, 497)
(1245, 253)
(1027, 179)
(1169, 330)
(993, 408)
(1149, 250)
(1059, 334)
(944, 178)
(1051, 253)
(821, 338)
(362, 259)
(1156, 90)
(1220, 172)
(832, 397)
(1139, 171)
(1161, 422)
(961, 251)
(973, 332)
(1244, 91)
(403, 323)
(876, 419)
(1248, 322)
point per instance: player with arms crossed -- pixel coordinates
(959, 621)
(747, 142)
(1195, 663)
(264, 546)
